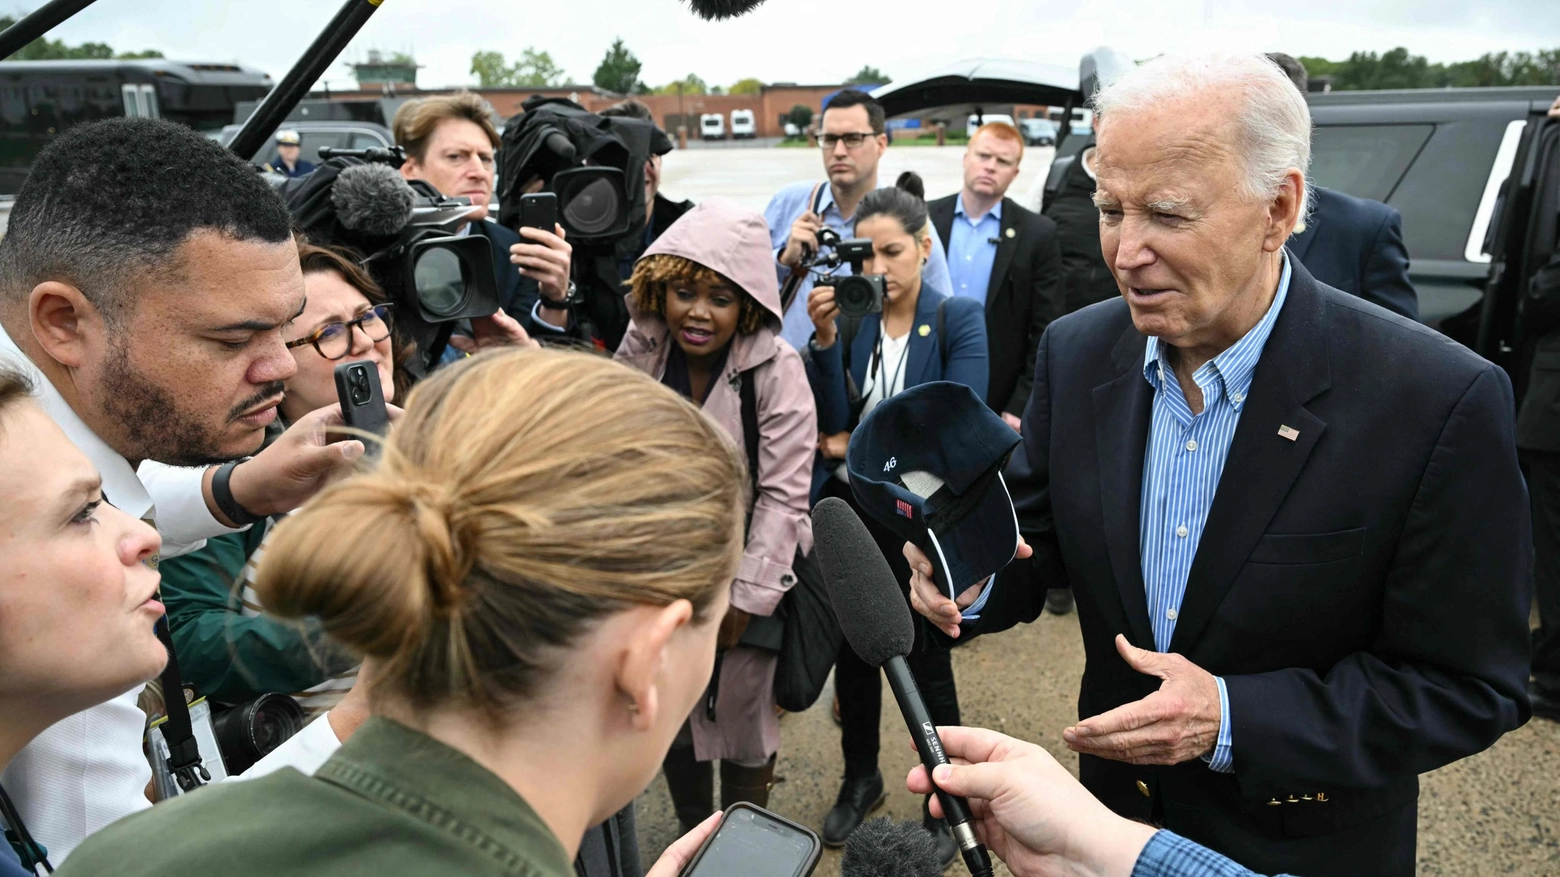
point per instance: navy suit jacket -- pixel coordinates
(963, 319)
(1362, 587)
(1356, 245)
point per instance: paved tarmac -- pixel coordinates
(1495, 813)
(751, 175)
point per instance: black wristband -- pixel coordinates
(223, 494)
(570, 296)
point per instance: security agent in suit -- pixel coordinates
(1298, 588)
(1356, 245)
(1352, 244)
(1538, 438)
(1022, 290)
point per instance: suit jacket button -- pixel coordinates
(1143, 787)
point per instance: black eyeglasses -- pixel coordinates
(334, 340)
(852, 140)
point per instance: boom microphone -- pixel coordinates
(372, 199)
(715, 10)
(876, 623)
(880, 848)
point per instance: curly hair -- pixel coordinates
(653, 275)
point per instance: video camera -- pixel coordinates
(855, 294)
(406, 231)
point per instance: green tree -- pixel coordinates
(869, 75)
(800, 115)
(746, 86)
(532, 69)
(44, 49)
(690, 84)
(619, 70)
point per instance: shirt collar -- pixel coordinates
(1237, 364)
(121, 486)
(406, 769)
(958, 209)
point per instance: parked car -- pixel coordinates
(975, 121)
(743, 125)
(314, 135)
(712, 126)
(1038, 132)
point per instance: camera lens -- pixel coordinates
(441, 284)
(594, 208)
(245, 733)
(858, 296)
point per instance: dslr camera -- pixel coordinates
(855, 294)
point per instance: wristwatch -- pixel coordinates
(571, 296)
(222, 492)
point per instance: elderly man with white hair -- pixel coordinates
(1293, 520)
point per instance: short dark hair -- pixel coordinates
(630, 108)
(855, 97)
(1293, 69)
(110, 201)
(905, 201)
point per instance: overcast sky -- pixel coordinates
(809, 41)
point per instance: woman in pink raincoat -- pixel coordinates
(706, 321)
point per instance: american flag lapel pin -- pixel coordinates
(1288, 432)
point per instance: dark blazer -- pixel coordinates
(1356, 245)
(1363, 589)
(966, 363)
(1025, 294)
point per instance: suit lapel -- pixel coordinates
(922, 343)
(942, 218)
(1122, 409)
(1263, 464)
(863, 345)
(1007, 242)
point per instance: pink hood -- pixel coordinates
(735, 242)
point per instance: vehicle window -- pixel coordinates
(314, 140)
(132, 100)
(363, 140)
(1365, 161)
(149, 106)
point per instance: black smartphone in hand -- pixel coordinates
(539, 210)
(362, 401)
(753, 842)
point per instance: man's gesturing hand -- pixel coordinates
(1029, 810)
(1177, 723)
(927, 599)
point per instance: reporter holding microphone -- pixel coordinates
(537, 601)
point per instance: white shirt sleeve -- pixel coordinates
(183, 518)
(305, 751)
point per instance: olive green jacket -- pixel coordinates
(390, 802)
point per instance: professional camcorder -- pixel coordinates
(406, 232)
(855, 294)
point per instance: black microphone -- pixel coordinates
(876, 622)
(880, 848)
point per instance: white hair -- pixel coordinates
(1273, 119)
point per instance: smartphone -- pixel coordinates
(362, 400)
(753, 842)
(539, 211)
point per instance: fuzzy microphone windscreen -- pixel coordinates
(715, 10)
(372, 199)
(872, 611)
(881, 848)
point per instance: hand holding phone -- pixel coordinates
(539, 210)
(362, 400)
(754, 842)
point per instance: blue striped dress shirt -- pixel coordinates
(1181, 469)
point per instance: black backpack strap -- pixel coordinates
(750, 435)
(942, 334)
(793, 283)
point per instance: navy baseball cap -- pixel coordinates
(927, 464)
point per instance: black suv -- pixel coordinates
(1475, 173)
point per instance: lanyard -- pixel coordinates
(877, 357)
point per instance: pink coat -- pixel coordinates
(735, 243)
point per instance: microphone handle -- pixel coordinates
(955, 809)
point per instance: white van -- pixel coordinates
(742, 125)
(712, 126)
(975, 122)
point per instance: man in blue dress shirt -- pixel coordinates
(1293, 520)
(853, 135)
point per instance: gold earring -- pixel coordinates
(633, 708)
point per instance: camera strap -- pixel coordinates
(793, 283)
(183, 751)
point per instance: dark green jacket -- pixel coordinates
(225, 655)
(390, 802)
